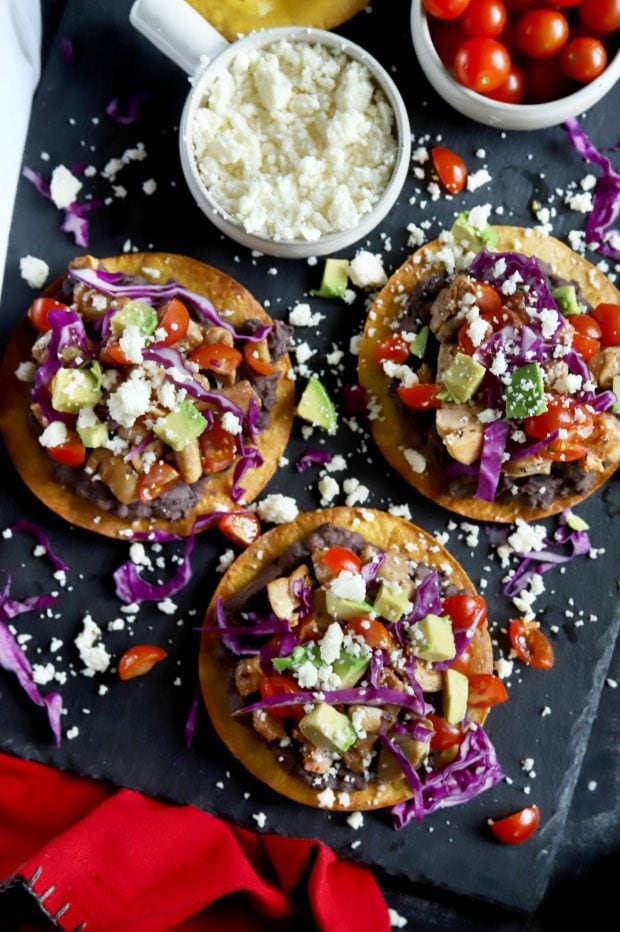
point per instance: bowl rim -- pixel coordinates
(330, 242)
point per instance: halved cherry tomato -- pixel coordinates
(465, 342)
(374, 633)
(485, 690)
(542, 33)
(254, 361)
(445, 9)
(308, 630)
(586, 346)
(393, 348)
(175, 321)
(217, 448)
(495, 320)
(518, 827)
(71, 453)
(114, 352)
(562, 414)
(39, 310)
(420, 397)
(140, 659)
(340, 558)
(564, 451)
(218, 357)
(607, 317)
(463, 663)
(446, 735)
(465, 610)
(530, 644)
(484, 18)
(274, 685)
(587, 325)
(451, 169)
(482, 64)
(242, 528)
(160, 478)
(488, 298)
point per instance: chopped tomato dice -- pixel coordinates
(374, 633)
(420, 397)
(218, 448)
(446, 735)
(242, 527)
(276, 684)
(175, 321)
(485, 690)
(394, 348)
(71, 453)
(465, 610)
(340, 558)
(253, 357)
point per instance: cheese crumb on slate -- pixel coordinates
(278, 509)
(366, 270)
(355, 820)
(260, 818)
(64, 187)
(93, 653)
(396, 920)
(34, 271)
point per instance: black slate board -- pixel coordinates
(133, 735)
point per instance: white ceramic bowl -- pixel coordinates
(494, 112)
(295, 249)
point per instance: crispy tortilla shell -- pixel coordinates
(35, 466)
(394, 432)
(217, 664)
(234, 17)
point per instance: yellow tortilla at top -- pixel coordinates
(394, 430)
(238, 17)
(217, 664)
(35, 466)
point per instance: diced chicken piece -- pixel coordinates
(189, 462)
(90, 303)
(604, 444)
(391, 680)
(447, 352)
(268, 726)
(248, 674)
(605, 365)
(367, 553)
(358, 758)
(446, 316)
(461, 431)
(396, 568)
(282, 604)
(40, 346)
(430, 680)
(193, 338)
(241, 394)
(316, 760)
(323, 573)
(70, 353)
(530, 466)
(366, 717)
(120, 477)
(218, 335)
(425, 374)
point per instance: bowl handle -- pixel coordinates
(178, 31)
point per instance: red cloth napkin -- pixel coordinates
(117, 860)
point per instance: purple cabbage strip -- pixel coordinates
(131, 114)
(415, 806)
(140, 448)
(309, 457)
(22, 526)
(541, 561)
(456, 470)
(178, 373)
(414, 729)
(524, 452)
(531, 274)
(251, 419)
(304, 594)
(67, 330)
(606, 200)
(130, 587)
(366, 695)
(190, 724)
(493, 447)
(369, 570)
(66, 49)
(288, 643)
(474, 770)
(462, 640)
(427, 599)
(602, 402)
(577, 365)
(75, 221)
(37, 179)
(94, 279)
(230, 639)
(250, 459)
(378, 659)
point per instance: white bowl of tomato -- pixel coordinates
(518, 64)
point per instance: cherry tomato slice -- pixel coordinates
(446, 735)
(218, 357)
(518, 827)
(530, 644)
(445, 9)
(587, 347)
(542, 33)
(308, 630)
(71, 453)
(374, 633)
(393, 348)
(420, 397)
(140, 659)
(564, 451)
(583, 59)
(39, 310)
(486, 690)
(562, 413)
(607, 317)
(175, 321)
(495, 320)
(482, 64)
(488, 298)
(587, 325)
(160, 478)
(242, 528)
(217, 448)
(484, 18)
(254, 361)
(600, 16)
(115, 354)
(340, 558)
(463, 663)
(451, 169)
(465, 610)
(274, 685)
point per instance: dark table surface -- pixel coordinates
(588, 856)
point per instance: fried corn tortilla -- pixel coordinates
(397, 429)
(217, 664)
(234, 17)
(36, 468)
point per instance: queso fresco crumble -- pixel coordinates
(295, 141)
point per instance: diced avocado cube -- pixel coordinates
(566, 299)
(525, 393)
(576, 523)
(418, 345)
(301, 654)
(93, 436)
(392, 602)
(140, 315)
(350, 669)
(180, 427)
(463, 377)
(616, 390)
(335, 279)
(339, 607)
(433, 638)
(316, 406)
(456, 689)
(328, 729)
(75, 388)
(470, 237)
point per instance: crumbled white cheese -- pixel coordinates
(331, 643)
(329, 489)
(43, 673)
(527, 537)
(149, 186)
(260, 818)
(302, 316)
(366, 270)
(64, 187)
(326, 798)
(396, 920)
(415, 460)
(25, 372)
(278, 509)
(231, 423)
(225, 560)
(34, 271)
(347, 585)
(54, 435)
(132, 343)
(476, 180)
(355, 820)
(131, 399)
(503, 668)
(93, 653)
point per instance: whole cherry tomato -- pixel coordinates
(545, 80)
(484, 18)
(160, 478)
(276, 684)
(512, 91)
(242, 527)
(218, 357)
(600, 16)
(308, 630)
(482, 64)
(485, 690)
(447, 39)
(465, 610)
(393, 348)
(140, 659)
(446, 735)
(542, 33)
(39, 310)
(445, 9)
(338, 559)
(217, 448)
(374, 633)
(70, 453)
(530, 644)
(420, 397)
(518, 827)
(175, 321)
(583, 59)
(607, 317)
(451, 169)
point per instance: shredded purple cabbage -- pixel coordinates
(577, 365)
(378, 660)
(309, 457)
(23, 526)
(130, 587)
(190, 724)
(427, 599)
(67, 329)
(416, 729)
(76, 222)
(462, 640)
(532, 276)
(533, 448)
(303, 594)
(474, 770)
(493, 447)
(606, 200)
(366, 695)
(37, 179)
(415, 805)
(250, 459)
(602, 402)
(131, 114)
(140, 448)
(563, 547)
(369, 570)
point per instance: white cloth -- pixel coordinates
(20, 67)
